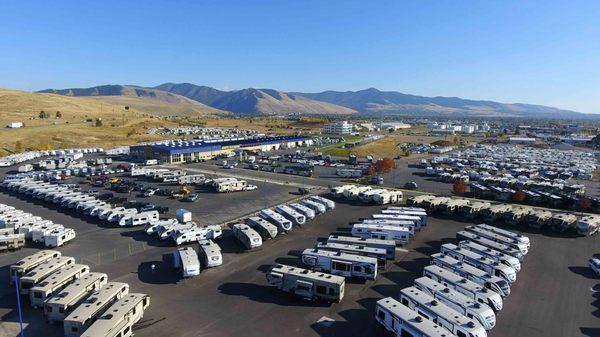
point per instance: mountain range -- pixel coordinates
(208, 100)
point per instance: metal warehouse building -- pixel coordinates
(172, 152)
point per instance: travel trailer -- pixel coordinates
(247, 236)
(275, 218)
(59, 237)
(388, 245)
(63, 303)
(290, 214)
(186, 261)
(120, 317)
(266, 229)
(28, 263)
(308, 284)
(399, 235)
(210, 254)
(342, 264)
(55, 282)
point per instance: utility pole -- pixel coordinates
(19, 304)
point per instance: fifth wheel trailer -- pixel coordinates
(388, 245)
(246, 236)
(266, 229)
(28, 263)
(291, 214)
(60, 305)
(186, 261)
(210, 254)
(120, 317)
(341, 264)
(282, 223)
(305, 283)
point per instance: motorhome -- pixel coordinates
(473, 290)
(210, 253)
(92, 307)
(474, 274)
(38, 234)
(29, 263)
(588, 225)
(120, 317)
(511, 242)
(388, 245)
(342, 264)
(152, 227)
(55, 282)
(515, 236)
(458, 302)
(384, 232)
(377, 253)
(186, 261)
(438, 312)
(59, 237)
(562, 222)
(62, 304)
(329, 204)
(139, 219)
(290, 214)
(266, 229)
(275, 218)
(307, 212)
(404, 322)
(305, 283)
(464, 235)
(538, 218)
(490, 266)
(181, 236)
(410, 225)
(247, 236)
(495, 212)
(319, 208)
(490, 253)
(42, 271)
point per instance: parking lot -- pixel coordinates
(552, 296)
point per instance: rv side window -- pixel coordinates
(303, 288)
(340, 266)
(381, 314)
(405, 333)
(74, 329)
(422, 314)
(321, 290)
(460, 334)
(357, 269)
(126, 331)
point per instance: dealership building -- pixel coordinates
(188, 151)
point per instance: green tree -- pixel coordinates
(58, 114)
(98, 122)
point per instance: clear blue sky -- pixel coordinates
(544, 52)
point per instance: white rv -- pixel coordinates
(338, 191)
(38, 234)
(407, 224)
(474, 291)
(152, 227)
(186, 261)
(191, 179)
(388, 245)
(120, 317)
(181, 236)
(318, 207)
(210, 253)
(290, 214)
(266, 229)
(384, 232)
(342, 264)
(246, 236)
(404, 322)
(353, 192)
(60, 305)
(307, 212)
(42, 271)
(387, 197)
(95, 305)
(377, 253)
(28, 263)
(490, 253)
(515, 236)
(282, 223)
(474, 274)
(329, 204)
(514, 243)
(139, 219)
(458, 302)
(166, 231)
(419, 213)
(59, 237)
(588, 225)
(414, 218)
(55, 282)
(231, 186)
(479, 261)
(436, 311)
(464, 235)
(306, 283)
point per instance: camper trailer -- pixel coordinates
(401, 217)
(457, 301)
(139, 219)
(290, 214)
(38, 234)
(11, 241)
(210, 253)
(59, 237)
(402, 321)
(186, 261)
(62, 304)
(186, 235)
(329, 204)
(515, 243)
(42, 271)
(490, 253)
(353, 192)
(516, 215)
(120, 317)
(469, 236)
(440, 313)
(588, 225)
(377, 253)
(493, 268)
(338, 191)
(407, 224)
(538, 218)
(419, 213)
(305, 283)
(495, 212)
(387, 197)
(318, 207)
(92, 307)
(341, 264)
(28, 263)
(282, 223)
(266, 229)
(384, 232)
(55, 282)
(191, 179)
(452, 206)
(166, 231)
(561, 222)
(515, 236)
(307, 212)
(152, 227)
(247, 236)
(388, 245)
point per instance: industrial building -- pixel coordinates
(338, 128)
(173, 152)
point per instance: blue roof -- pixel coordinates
(207, 146)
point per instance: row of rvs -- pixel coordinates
(367, 194)
(17, 226)
(584, 225)
(85, 302)
(18, 158)
(461, 291)
(325, 267)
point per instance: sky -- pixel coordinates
(539, 52)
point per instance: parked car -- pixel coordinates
(191, 197)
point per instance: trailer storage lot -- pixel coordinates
(235, 299)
